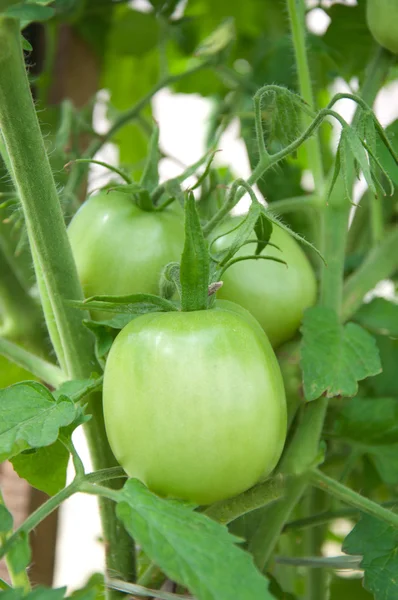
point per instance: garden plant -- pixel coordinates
(235, 374)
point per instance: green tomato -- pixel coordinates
(276, 295)
(120, 249)
(194, 403)
(382, 17)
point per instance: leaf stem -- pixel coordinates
(298, 29)
(345, 494)
(44, 370)
(119, 172)
(52, 503)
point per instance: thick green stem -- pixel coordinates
(260, 495)
(54, 265)
(270, 527)
(345, 494)
(380, 263)
(297, 21)
(41, 368)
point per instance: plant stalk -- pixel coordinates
(297, 22)
(53, 261)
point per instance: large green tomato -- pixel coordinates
(120, 249)
(275, 295)
(194, 403)
(382, 17)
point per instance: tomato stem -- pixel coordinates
(53, 261)
(296, 11)
(256, 497)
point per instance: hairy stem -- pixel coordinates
(260, 495)
(345, 494)
(53, 261)
(297, 21)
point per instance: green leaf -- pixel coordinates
(31, 418)
(343, 588)
(377, 543)
(6, 520)
(44, 469)
(150, 176)
(263, 230)
(26, 45)
(369, 421)
(194, 270)
(4, 585)
(133, 33)
(20, 553)
(93, 590)
(217, 41)
(348, 40)
(105, 333)
(30, 12)
(129, 304)
(386, 384)
(39, 593)
(170, 281)
(384, 154)
(77, 389)
(379, 316)
(239, 234)
(335, 357)
(184, 544)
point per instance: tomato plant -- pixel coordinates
(275, 294)
(121, 249)
(232, 376)
(213, 420)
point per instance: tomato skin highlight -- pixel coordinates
(120, 249)
(274, 294)
(194, 403)
(382, 18)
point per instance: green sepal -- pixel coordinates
(195, 270)
(130, 304)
